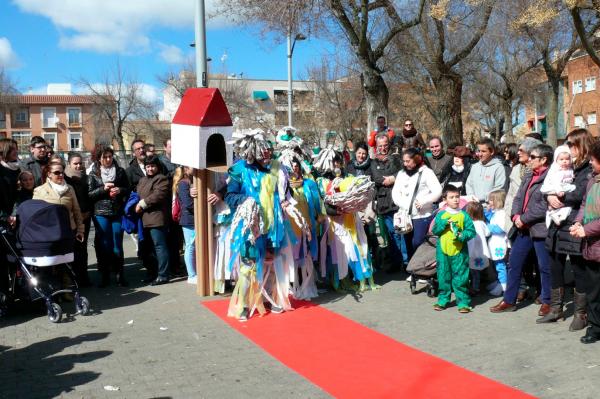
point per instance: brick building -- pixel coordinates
(67, 122)
(579, 98)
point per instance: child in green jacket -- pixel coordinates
(454, 228)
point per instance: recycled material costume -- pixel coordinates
(259, 232)
(304, 211)
(344, 242)
(454, 229)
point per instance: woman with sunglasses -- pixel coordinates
(529, 219)
(561, 244)
(55, 190)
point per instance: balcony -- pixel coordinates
(74, 124)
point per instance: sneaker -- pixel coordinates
(192, 280)
(409, 278)
(243, 317)
(422, 281)
(276, 309)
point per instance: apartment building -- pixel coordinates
(65, 121)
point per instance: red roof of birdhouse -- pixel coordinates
(202, 107)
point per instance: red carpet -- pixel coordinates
(349, 360)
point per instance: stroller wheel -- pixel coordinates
(431, 291)
(54, 313)
(83, 306)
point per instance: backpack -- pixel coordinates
(176, 209)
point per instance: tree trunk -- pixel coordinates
(376, 96)
(552, 113)
(118, 136)
(449, 91)
(507, 112)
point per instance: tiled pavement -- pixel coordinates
(198, 356)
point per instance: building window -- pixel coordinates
(590, 83)
(22, 116)
(49, 117)
(577, 87)
(75, 141)
(2, 120)
(22, 138)
(50, 140)
(74, 116)
(591, 118)
(579, 121)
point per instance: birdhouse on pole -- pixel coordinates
(200, 130)
(199, 133)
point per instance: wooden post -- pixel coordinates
(210, 236)
(201, 223)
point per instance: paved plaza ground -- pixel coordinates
(153, 342)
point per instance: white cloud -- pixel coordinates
(8, 58)
(116, 26)
(171, 54)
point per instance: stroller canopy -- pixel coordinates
(44, 229)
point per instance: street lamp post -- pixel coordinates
(290, 52)
(200, 30)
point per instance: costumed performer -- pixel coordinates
(259, 232)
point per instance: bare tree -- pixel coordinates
(367, 27)
(433, 52)
(585, 15)
(554, 40)
(117, 98)
(8, 91)
(340, 99)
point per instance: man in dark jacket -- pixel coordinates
(37, 160)
(384, 169)
(409, 138)
(136, 170)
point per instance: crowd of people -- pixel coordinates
(509, 219)
(136, 199)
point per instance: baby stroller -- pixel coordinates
(42, 250)
(422, 266)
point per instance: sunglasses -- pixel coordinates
(535, 157)
(57, 173)
(408, 124)
(569, 144)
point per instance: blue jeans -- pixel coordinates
(189, 250)
(518, 255)
(109, 234)
(417, 236)
(397, 241)
(161, 249)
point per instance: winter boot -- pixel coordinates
(579, 315)
(119, 268)
(556, 307)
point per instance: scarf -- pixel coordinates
(72, 173)
(411, 172)
(60, 189)
(409, 133)
(458, 169)
(11, 165)
(363, 165)
(591, 210)
(108, 174)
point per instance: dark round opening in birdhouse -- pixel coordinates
(216, 154)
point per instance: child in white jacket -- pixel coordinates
(558, 181)
(479, 253)
(498, 242)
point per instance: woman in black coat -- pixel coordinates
(560, 243)
(459, 169)
(361, 165)
(529, 219)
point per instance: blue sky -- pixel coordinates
(59, 41)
